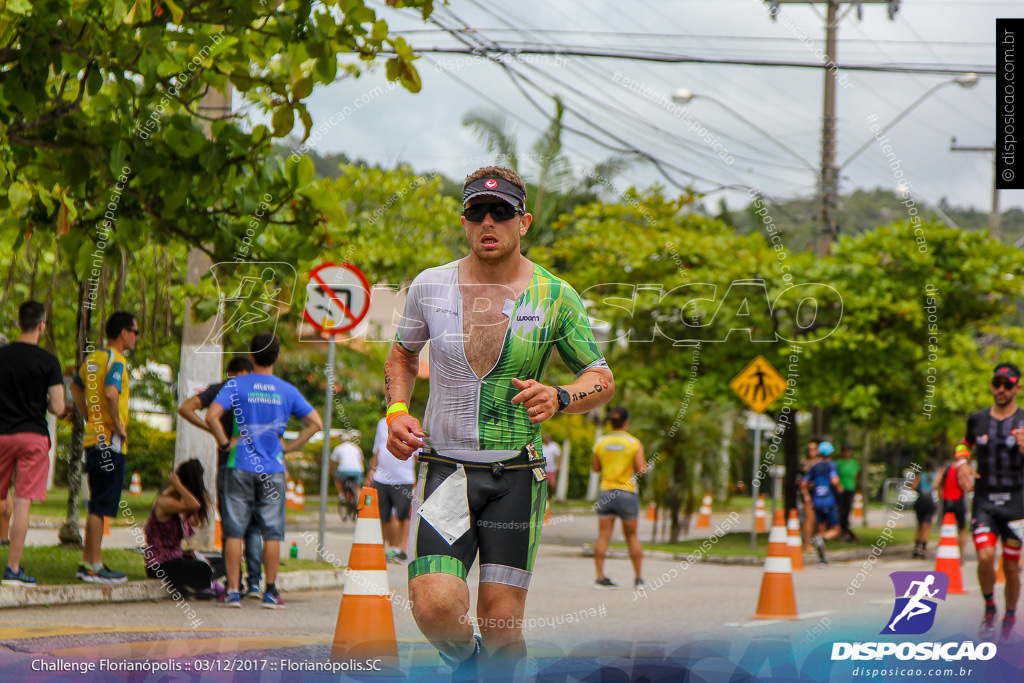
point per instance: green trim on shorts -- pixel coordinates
(437, 564)
(538, 503)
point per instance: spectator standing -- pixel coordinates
(100, 388)
(256, 480)
(848, 469)
(924, 507)
(237, 366)
(552, 457)
(31, 383)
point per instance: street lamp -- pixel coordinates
(685, 96)
(966, 80)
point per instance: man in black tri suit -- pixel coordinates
(996, 435)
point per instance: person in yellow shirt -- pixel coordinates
(618, 456)
(100, 390)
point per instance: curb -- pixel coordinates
(841, 555)
(147, 589)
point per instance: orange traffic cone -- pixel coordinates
(135, 488)
(366, 624)
(652, 512)
(547, 514)
(106, 525)
(704, 520)
(947, 556)
(858, 506)
(300, 496)
(795, 543)
(218, 532)
(759, 516)
(289, 495)
(1000, 574)
(778, 599)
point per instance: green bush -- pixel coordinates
(150, 453)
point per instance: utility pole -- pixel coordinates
(828, 177)
(201, 348)
(993, 219)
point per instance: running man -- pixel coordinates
(914, 606)
(996, 435)
(618, 456)
(493, 319)
(823, 481)
(100, 389)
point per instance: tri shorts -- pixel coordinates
(615, 502)
(342, 475)
(257, 496)
(506, 515)
(993, 517)
(394, 496)
(28, 454)
(827, 516)
(958, 509)
(924, 506)
(105, 469)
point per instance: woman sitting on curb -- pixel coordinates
(184, 503)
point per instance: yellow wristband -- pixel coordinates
(396, 409)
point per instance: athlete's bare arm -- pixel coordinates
(593, 388)
(404, 432)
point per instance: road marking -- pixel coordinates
(765, 622)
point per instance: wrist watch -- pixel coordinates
(563, 399)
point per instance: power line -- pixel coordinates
(514, 50)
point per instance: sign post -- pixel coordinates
(337, 300)
(759, 385)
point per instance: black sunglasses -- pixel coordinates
(1003, 384)
(500, 211)
(135, 331)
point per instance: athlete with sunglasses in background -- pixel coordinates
(996, 435)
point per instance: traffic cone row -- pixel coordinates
(366, 624)
(858, 506)
(135, 488)
(795, 542)
(704, 520)
(947, 556)
(760, 517)
(778, 598)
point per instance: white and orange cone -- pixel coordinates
(366, 623)
(289, 495)
(947, 556)
(300, 496)
(858, 506)
(760, 518)
(778, 598)
(704, 520)
(795, 542)
(652, 512)
(135, 488)
(218, 531)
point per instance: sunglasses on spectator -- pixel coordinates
(135, 331)
(500, 211)
(1003, 384)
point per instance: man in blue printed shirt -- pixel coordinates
(255, 477)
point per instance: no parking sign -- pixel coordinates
(337, 298)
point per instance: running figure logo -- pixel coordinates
(916, 593)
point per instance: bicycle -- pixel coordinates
(348, 503)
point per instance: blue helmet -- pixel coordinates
(825, 449)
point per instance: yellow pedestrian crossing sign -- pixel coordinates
(759, 385)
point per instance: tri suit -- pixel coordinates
(474, 431)
(998, 510)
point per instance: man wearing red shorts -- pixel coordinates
(30, 384)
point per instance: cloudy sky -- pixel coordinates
(765, 120)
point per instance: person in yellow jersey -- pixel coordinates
(100, 390)
(618, 456)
